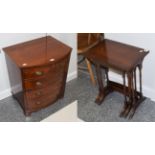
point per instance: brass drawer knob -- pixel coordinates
(38, 83)
(39, 73)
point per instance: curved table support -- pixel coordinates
(132, 98)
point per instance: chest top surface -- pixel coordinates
(42, 51)
(116, 55)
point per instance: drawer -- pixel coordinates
(34, 72)
(35, 104)
(47, 91)
(42, 82)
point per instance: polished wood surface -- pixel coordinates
(127, 60)
(38, 52)
(37, 72)
(116, 55)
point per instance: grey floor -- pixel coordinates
(10, 110)
(82, 90)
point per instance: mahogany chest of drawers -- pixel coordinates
(37, 72)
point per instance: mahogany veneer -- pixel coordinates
(37, 72)
(125, 59)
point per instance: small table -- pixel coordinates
(126, 59)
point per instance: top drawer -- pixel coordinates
(34, 72)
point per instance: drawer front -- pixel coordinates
(36, 104)
(34, 72)
(40, 93)
(41, 98)
(42, 82)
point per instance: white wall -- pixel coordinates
(7, 39)
(146, 41)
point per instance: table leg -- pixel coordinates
(101, 94)
(107, 75)
(133, 103)
(132, 98)
(125, 95)
(139, 97)
(140, 79)
(135, 85)
(130, 94)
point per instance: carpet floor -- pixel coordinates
(82, 90)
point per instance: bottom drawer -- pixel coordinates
(36, 104)
(43, 97)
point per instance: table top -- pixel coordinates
(37, 52)
(116, 55)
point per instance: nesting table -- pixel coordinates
(126, 60)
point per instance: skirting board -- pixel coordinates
(148, 92)
(72, 76)
(7, 92)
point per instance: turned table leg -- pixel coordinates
(124, 89)
(101, 94)
(133, 93)
(128, 94)
(140, 79)
(135, 82)
(138, 97)
(125, 94)
(107, 75)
